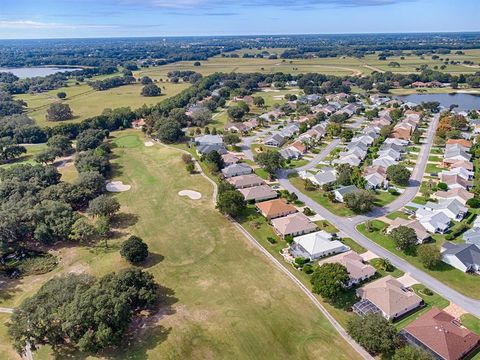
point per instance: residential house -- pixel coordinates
(294, 225)
(236, 170)
(462, 142)
(386, 296)
(325, 176)
(422, 234)
(441, 335)
(275, 139)
(350, 159)
(390, 153)
(462, 172)
(208, 140)
(453, 208)
(208, 148)
(344, 190)
(290, 130)
(316, 245)
(229, 159)
(356, 151)
(237, 127)
(467, 165)
(464, 257)
(358, 270)
(435, 222)
(376, 181)
(273, 209)
(454, 155)
(138, 123)
(290, 153)
(244, 181)
(455, 181)
(459, 194)
(402, 131)
(472, 236)
(258, 193)
(384, 162)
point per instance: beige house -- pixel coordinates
(420, 231)
(258, 193)
(460, 194)
(388, 297)
(245, 181)
(358, 270)
(293, 224)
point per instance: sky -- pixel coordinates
(119, 18)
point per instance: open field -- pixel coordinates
(86, 102)
(331, 66)
(232, 303)
(6, 350)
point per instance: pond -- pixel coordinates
(28, 72)
(464, 101)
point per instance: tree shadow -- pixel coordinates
(8, 287)
(152, 260)
(124, 220)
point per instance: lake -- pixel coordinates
(464, 101)
(27, 72)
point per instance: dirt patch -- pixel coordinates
(193, 195)
(148, 143)
(117, 186)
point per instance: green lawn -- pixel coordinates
(6, 350)
(471, 322)
(262, 173)
(397, 214)
(384, 198)
(433, 169)
(317, 195)
(467, 284)
(419, 200)
(28, 157)
(85, 102)
(359, 249)
(232, 302)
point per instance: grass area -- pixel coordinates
(6, 349)
(429, 300)
(232, 303)
(384, 198)
(397, 214)
(433, 169)
(466, 284)
(297, 163)
(262, 173)
(434, 158)
(28, 157)
(85, 102)
(393, 271)
(420, 200)
(471, 322)
(318, 196)
(359, 249)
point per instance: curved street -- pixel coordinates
(348, 226)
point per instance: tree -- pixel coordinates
(231, 139)
(59, 112)
(215, 160)
(376, 334)
(360, 201)
(134, 250)
(333, 129)
(258, 101)
(408, 352)
(103, 205)
(344, 174)
(60, 142)
(231, 202)
(236, 113)
(429, 256)
(90, 161)
(399, 174)
(384, 264)
(145, 80)
(62, 95)
(329, 280)
(82, 231)
(474, 203)
(201, 117)
(90, 139)
(404, 237)
(82, 312)
(346, 135)
(169, 132)
(9, 150)
(46, 156)
(151, 90)
(270, 161)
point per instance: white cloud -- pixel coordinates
(29, 24)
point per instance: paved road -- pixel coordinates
(348, 227)
(6, 310)
(249, 140)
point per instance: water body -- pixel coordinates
(464, 101)
(28, 72)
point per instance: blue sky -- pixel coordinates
(104, 18)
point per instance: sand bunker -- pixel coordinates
(148, 143)
(117, 186)
(194, 195)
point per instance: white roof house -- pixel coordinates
(209, 140)
(376, 180)
(324, 177)
(453, 208)
(465, 257)
(290, 153)
(384, 162)
(390, 153)
(435, 222)
(316, 245)
(275, 139)
(350, 159)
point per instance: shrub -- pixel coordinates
(442, 186)
(473, 203)
(271, 240)
(289, 239)
(308, 269)
(300, 261)
(134, 249)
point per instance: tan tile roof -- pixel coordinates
(457, 192)
(356, 268)
(463, 164)
(293, 223)
(439, 331)
(420, 231)
(389, 295)
(462, 142)
(275, 208)
(246, 180)
(258, 192)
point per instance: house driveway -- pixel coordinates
(369, 255)
(407, 280)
